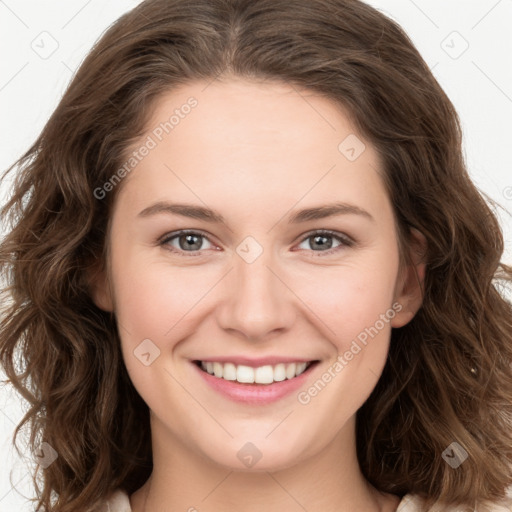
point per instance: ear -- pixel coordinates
(99, 289)
(410, 283)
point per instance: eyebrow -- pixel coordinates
(208, 215)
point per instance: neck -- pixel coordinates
(184, 479)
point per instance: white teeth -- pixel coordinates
(229, 371)
(217, 369)
(279, 372)
(244, 374)
(300, 368)
(290, 370)
(262, 375)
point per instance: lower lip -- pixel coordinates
(258, 394)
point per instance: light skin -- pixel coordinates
(256, 153)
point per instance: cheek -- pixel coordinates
(356, 304)
(161, 302)
(155, 301)
(152, 298)
(349, 299)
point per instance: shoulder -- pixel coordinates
(414, 503)
(410, 503)
(117, 502)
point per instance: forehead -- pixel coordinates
(241, 114)
(264, 141)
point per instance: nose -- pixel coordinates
(257, 302)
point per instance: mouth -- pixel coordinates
(264, 375)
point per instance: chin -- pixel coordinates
(255, 458)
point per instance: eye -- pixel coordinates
(185, 241)
(323, 240)
(188, 241)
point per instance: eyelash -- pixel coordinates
(345, 241)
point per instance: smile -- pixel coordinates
(257, 385)
(266, 374)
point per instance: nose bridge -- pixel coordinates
(254, 280)
(256, 300)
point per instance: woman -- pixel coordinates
(248, 270)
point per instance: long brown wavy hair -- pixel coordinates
(448, 377)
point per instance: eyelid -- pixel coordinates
(345, 240)
(163, 240)
(336, 234)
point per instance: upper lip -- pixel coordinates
(256, 362)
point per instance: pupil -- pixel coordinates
(190, 241)
(324, 240)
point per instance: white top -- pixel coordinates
(119, 502)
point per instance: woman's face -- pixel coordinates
(259, 171)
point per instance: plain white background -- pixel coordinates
(466, 43)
